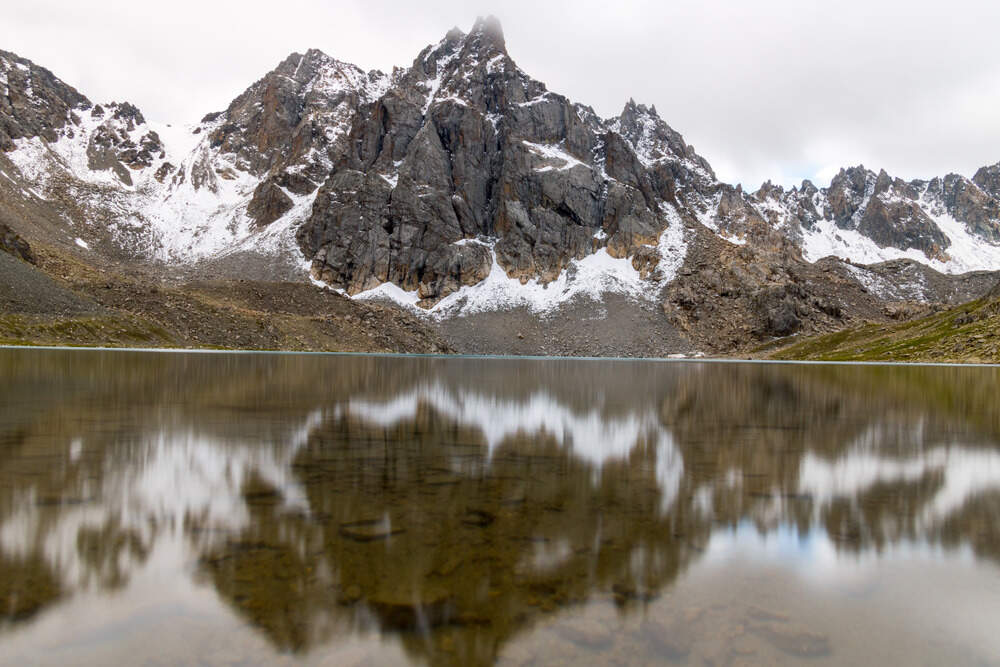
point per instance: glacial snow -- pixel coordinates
(965, 253)
(181, 221)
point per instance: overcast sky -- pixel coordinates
(765, 89)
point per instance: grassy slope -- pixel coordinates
(969, 333)
(65, 301)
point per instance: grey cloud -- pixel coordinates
(776, 89)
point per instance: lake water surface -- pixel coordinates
(166, 508)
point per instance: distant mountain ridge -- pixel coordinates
(459, 179)
(952, 223)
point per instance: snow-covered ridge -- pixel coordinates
(188, 213)
(966, 251)
(189, 202)
(822, 236)
(336, 76)
(441, 65)
(651, 145)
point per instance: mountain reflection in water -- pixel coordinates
(189, 507)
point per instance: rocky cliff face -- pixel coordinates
(33, 102)
(121, 142)
(466, 158)
(290, 127)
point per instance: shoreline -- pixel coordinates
(500, 357)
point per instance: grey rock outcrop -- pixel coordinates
(988, 179)
(465, 151)
(112, 145)
(33, 102)
(968, 202)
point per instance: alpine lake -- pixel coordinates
(162, 508)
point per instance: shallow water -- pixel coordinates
(241, 509)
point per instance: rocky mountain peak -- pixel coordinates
(487, 36)
(436, 56)
(33, 101)
(316, 73)
(654, 141)
(966, 201)
(988, 178)
(883, 182)
(884, 210)
(854, 178)
(769, 190)
(465, 146)
(483, 42)
(634, 109)
(298, 115)
(472, 68)
(121, 142)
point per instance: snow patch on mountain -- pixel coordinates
(443, 62)
(554, 153)
(913, 290)
(965, 253)
(825, 238)
(278, 238)
(672, 244)
(196, 212)
(195, 222)
(39, 160)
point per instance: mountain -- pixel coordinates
(968, 333)
(950, 223)
(460, 186)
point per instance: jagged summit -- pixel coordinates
(469, 67)
(488, 37)
(872, 216)
(988, 178)
(487, 33)
(297, 108)
(467, 167)
(33, 101)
